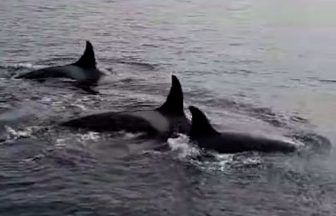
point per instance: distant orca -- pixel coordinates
(83, 71)
(207, 137)
(161, 122)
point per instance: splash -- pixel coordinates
(183, 147)
(14, 134)
(19, 66)
(81, 138)
(228, 162)
(128, 135)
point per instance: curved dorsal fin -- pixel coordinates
(87, 60)
(200, 125)
(174, 101)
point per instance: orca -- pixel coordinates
(206, 137)
(162, 122)
(83, 71)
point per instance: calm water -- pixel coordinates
(258, 66)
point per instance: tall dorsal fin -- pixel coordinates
(174, 101)
(87, 60)
(200, 125)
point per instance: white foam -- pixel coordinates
(13, 134)
(60, 142)
(183, 146)
(82, 139)
(28, 65)
(90, 136)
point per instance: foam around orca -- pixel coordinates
(208, 138)
(84, 71)
(161, 122)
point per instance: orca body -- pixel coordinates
(83, 71)
(208, 138)
(161, 122)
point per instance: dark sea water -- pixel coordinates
(264, 67)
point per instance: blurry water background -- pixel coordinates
(259, 66)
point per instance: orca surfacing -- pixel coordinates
(208, 138)
(161, 122)
(83, 71)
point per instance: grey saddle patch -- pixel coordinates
(158, 121)
(79, 73)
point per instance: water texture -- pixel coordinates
(258, 66)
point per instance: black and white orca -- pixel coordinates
(84, 71)
(206, 137)
(161, 122)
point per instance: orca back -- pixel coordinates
(167, 119)
(208, 138)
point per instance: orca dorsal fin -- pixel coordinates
(174, 102)
(200, 125)
(87, 60)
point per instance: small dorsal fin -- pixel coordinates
(200, 125)
(174, 101)
(87, 60)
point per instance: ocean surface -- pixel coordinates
(264, 67)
